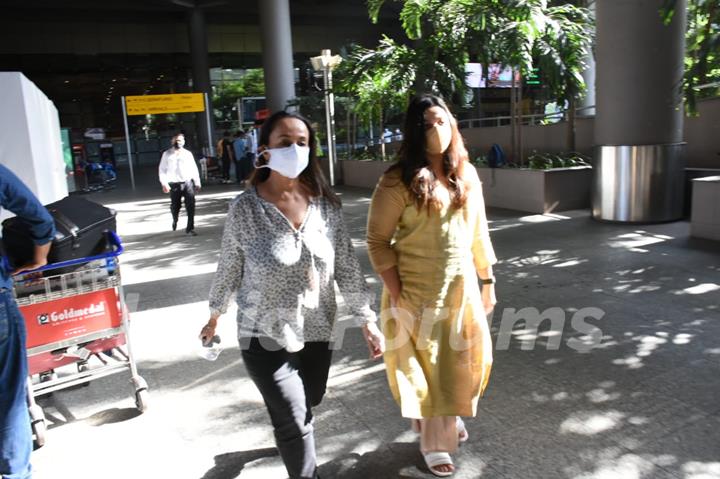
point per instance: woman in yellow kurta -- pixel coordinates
(428, 239)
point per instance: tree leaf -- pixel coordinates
(411, 16)
(374, 7)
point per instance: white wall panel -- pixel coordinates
(30, 143)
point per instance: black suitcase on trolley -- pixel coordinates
(81, 228)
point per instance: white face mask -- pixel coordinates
(289, 161)
(438, 139)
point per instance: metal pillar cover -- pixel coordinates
(638, 183)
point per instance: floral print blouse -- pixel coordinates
(284, 278)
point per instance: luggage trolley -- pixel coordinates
(75, 313)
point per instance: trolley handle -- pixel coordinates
(117, 250)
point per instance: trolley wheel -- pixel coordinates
(39, 428)
(82, 367)
(49, 375)
(141, 399)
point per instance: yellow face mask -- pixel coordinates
(437, 139)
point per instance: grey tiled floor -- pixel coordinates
(642, 404)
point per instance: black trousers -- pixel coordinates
(183, 191)
(225, 162)
(238, 171)
(290, 384)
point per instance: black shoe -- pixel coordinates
(174, 225)
(191, 233)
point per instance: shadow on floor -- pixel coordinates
(229, 465)
(396, 460)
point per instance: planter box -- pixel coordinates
(363, 173)
(705, 219)
(537, 191)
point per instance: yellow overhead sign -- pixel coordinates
(159, 104)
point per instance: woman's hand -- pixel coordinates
(375, 339)
(393, 285)
(394, 299)
(207, 333)
(488, 297)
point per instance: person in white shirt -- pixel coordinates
(179, 176)
(253, 139)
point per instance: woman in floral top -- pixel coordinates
(283, 249)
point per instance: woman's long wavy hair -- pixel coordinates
(312, 177)
(413, 164)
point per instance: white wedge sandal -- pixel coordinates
(435, 459)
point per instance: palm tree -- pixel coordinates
(443, 35)
(519, 33)
(702, 59)
(378, 80)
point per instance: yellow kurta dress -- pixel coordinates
(439, 350)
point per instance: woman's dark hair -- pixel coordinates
(312, 176)
(414, 167)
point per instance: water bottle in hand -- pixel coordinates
(211, 349)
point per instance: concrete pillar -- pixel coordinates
(586, 106)
(277, 52)
(639, 73)
(639, 118)
(197, 34)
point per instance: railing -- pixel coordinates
(708, 85)
(530, 120)
(540, 118)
